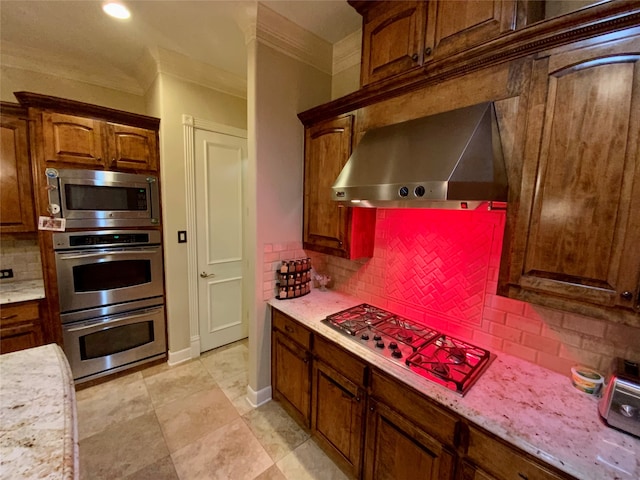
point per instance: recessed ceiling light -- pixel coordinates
(116, 10)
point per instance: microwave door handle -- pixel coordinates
(111, 319)
(71, 256)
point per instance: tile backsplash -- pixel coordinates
(23, 256)
(441, 267)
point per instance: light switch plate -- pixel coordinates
(182, 236)
(6, 273)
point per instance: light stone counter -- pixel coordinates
(38, 426)
(23, 291)
(530, 407)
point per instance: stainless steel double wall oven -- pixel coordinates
(111, 288)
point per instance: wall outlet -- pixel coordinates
(6, 273)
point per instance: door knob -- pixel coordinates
(207, 275)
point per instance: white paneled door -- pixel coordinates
(219, 162)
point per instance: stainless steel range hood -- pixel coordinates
(450, 160)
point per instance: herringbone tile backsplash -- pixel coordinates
(441, 268)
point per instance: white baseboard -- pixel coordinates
(258, 398)
(195, 346)
(179, 357)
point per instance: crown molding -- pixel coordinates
(288, 38)
(181, 66)
(34, 60)
(347, 52)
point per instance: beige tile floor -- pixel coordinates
(192, 422)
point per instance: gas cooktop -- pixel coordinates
(440, 358)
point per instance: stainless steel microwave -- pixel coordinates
(101, 199)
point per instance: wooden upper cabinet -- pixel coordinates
(329, 227)
(70, 134)
(577, 230)
(72, 139)
(398, 36)
(393, 36)
(453, 27)
(16, 192)
(131, 147)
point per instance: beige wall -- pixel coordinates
(345, 82)
(170, 98)
(17, 80)
(282, 87)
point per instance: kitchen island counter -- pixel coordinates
(38, 424)
(528, 406)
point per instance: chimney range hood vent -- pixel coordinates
(449, 160)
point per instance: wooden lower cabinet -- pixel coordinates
(376, 427)
(20, 326)
(396, 448)
(291, 367)
(338, 415)
(490, 456)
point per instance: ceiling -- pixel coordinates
(77, 35)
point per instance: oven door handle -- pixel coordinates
(124, 316)
(74, 256)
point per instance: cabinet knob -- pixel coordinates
(414, 57)
(305, 360)
(626, 295)
(371, 409)
(523, 476)
(427, 52)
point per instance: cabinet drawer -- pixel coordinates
(346, 364)
(291, 328)
(18, 313)
(415, 407)
(504, 461)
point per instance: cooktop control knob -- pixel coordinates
(365, 336)
(377, 338)
(393, 345)
(403, 192)
(419, 191)
(380, 344)
(396, 354)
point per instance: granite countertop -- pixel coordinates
(530, 407)
(38, 426)
(21, 291)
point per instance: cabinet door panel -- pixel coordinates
(396, 449)
(72, 139)
(581, 178)
(16, 193)
(393, 39)
(338, 413)
(132, 148)
(457, 26)
(328, 146)
(292, 377)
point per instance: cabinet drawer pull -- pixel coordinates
(414, 57)
(289, 329)
(9, 317)
(523, 476)
(427, 52)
